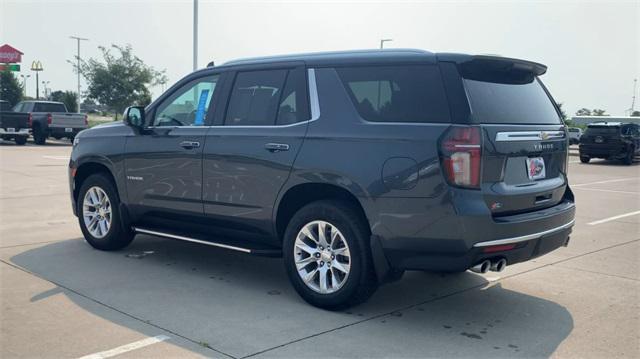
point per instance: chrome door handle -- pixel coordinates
(276, 147)
(188, 145)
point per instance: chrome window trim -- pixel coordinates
(528, 136)
(525, 237)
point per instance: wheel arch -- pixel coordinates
(302, 194)
(88, 168)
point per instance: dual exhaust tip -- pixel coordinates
(487, 265)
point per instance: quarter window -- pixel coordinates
(189, 105)
(396, 93)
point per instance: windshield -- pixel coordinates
(514, 103)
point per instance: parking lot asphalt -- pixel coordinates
(61, 298)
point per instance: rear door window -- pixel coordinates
(396, 93)
(255, 98)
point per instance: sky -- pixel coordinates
(592, 48)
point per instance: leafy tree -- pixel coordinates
(121, 79)
(10, 88)
(562, 113)
(69, 98)
(635, 113)
(583, 112)
(599, 112)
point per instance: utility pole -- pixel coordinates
(633, 98)
(24, 84)
(44, 85)
(382, 41)
(78, 39)
(195, 35)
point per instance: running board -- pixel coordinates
(227, 244)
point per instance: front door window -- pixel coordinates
(188, 106)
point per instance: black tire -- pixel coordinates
(39, 136)
(585, 159)
(117, 236)
(361, 282)
(20, 140)
(628, 159)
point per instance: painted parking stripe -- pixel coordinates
(606, 190)
(56, 157)
(607, 181)
(127, 347)
(614, 218)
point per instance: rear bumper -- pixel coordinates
(475, 238)
(16, 132)
(62, 131)
(603, 151)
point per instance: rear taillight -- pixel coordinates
(29, 120)
(461, 155)
(49, 119)
(86, 120)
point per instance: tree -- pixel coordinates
(562, 113)
(69, 98)
(635, 113)
(121, 80)
(599, 112)
(10, 88)
(583, 112)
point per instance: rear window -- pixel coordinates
(49, 107)
(603, 130)
(396, 93)
(510, 102)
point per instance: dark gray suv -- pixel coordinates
(353, 166)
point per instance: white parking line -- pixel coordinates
(56, 157)
(607, 181)
(607, 190)
(613, 218)
(127, 347)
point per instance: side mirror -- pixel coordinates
(134, 116)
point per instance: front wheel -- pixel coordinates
(628, 159)
(39, 136)
(20, 140)
(99, 214)
(585, 159)
(327, 255)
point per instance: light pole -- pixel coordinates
(195, 35)
(24, 84)
(44, 85)
(78, 39)
(382, 41)
(37, 67)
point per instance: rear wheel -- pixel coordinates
(628, 159)
(20, 140)
(99, 214)
(327, 255)
(39, 136)
(585, 159)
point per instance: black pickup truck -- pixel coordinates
(13, 125)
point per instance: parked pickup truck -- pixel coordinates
(13, 125)
(51, 119)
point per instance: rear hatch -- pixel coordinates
(601, 135)
(523, 140)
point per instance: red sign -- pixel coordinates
(9, 55)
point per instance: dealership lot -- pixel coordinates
(61, 298)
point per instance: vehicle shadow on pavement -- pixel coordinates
(30, 143)
(240, 305)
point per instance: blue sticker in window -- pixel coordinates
(204, 95)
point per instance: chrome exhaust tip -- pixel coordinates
(482, 267)
(499, 265)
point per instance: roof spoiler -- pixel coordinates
(494, 63)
